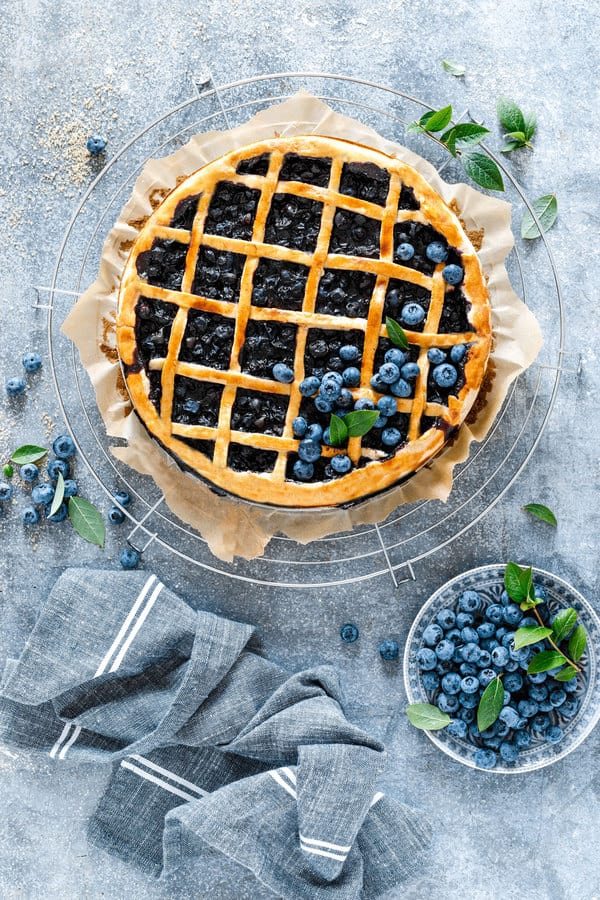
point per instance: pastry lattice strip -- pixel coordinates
(383, 268)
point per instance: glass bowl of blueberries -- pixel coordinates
(504, 680)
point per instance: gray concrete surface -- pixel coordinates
(71, 68)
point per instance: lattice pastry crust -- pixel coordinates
(172, 280)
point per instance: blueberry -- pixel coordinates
(122, 498)
(303, 470)
(59, 516)
(380, 422)
(508, 640)
(512, 665)
(330, 391)
(70, 488)
(512, 614)
(390, 437)
(436, 356)
(527, 708)
(351, 376)
(539, 591)
(505, 599)
(322, 404)
(467, 669)
(509, 751)
(436, 252)
(30, 516)
(470, 652)
(473, 729)
(410, 371)
(377, 384)
(426, 659)
(349, 633)
(309, 386)
(513, 682)
(430, 681)
(453, 274)
(522, 656)
(463, 619)
(507, 698)
(389, 373)
(448, 703)
(387, 406)
(469, 635)
(457, 728)
(6, 491)
(457, 352)
(401, 388)
(349, 353)
(327, 437)
(457, 656)
(299, 426)
(466, 715)
(129, 558)
(502, 729)
(340, 463)
(485, 759)
(63, 447)
(42, 493)
(389, 650)
(58, 465)
(488, 644)
(509, 716)
(454, 633)
(540, 722)
(445, 375)
(432, 635)
(404, 252)
(485, 659)
(32, 362)
(445, 650)
(500, 632)
(554, 734)
(446, 618)
(522, 739)
(413, 314)
(95, 144)
(486, 676)
(314, 432)
(571, 685)
(395, 356)
(569, 707)
(451, 683)
(538, 692)
(15, 387)
(364, 403)
(527, 622)
(444, 667)
(557, 697)
(470, 684)
(500, 656)
(470, 701)
(545, 706)
(486, 630)
(116, 516)
(345, 400)
(494, 613)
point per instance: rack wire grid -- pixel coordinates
(412, 532)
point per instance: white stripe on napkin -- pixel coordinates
(171, 775)
(124, 627)
(327, 844)
(319, 852)
(136, 627)
(159, 781)
(275, 774)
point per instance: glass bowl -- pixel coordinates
(488, 581)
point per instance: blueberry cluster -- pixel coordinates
(309, 169)
(163, 264)
(256, 165)
(365, 180)
(218, 274)
(465, 649)
(42, 491)
(207, 340)
(278, 284)
(294, 222)
(232, 210)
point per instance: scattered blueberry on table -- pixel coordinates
(129, 558)
(15, 386)
(349, 633)
(389, 650)
(95, 144)
(32, 362)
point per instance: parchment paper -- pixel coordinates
(235, 527)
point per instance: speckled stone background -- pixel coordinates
(71, 68)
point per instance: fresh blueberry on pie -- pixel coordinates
(253, 309)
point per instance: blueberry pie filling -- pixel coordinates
(254, 307)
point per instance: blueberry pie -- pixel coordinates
(269, 297)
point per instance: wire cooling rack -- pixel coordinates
(412, 532)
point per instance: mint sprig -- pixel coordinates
(461, 140)
(353, 424)
(520, 128)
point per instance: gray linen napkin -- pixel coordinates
(214, 748)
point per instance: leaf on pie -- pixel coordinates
(338, 431)
(396, 333)
(360, 421)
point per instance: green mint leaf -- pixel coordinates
(530, 125)
(518, 136)
(490, 705)
(396, 333)
(547, 659)
(527, 583)
(565, 674)
(28, 453)
(415, 128)
(541, 512)
(59, 494)
(563, 623)
(510, 146)
(531, 634)
(577, 643)
(510, 115)
(546, 209)
(449, 139)
(468, 134)
(360, 421)
(438, 120)
(8, 470)
(86, 520)
(483, 171)
(427, 717)
(512, 582)
(453, 68)
(338, 431)
(530, 603)
(425, 119)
